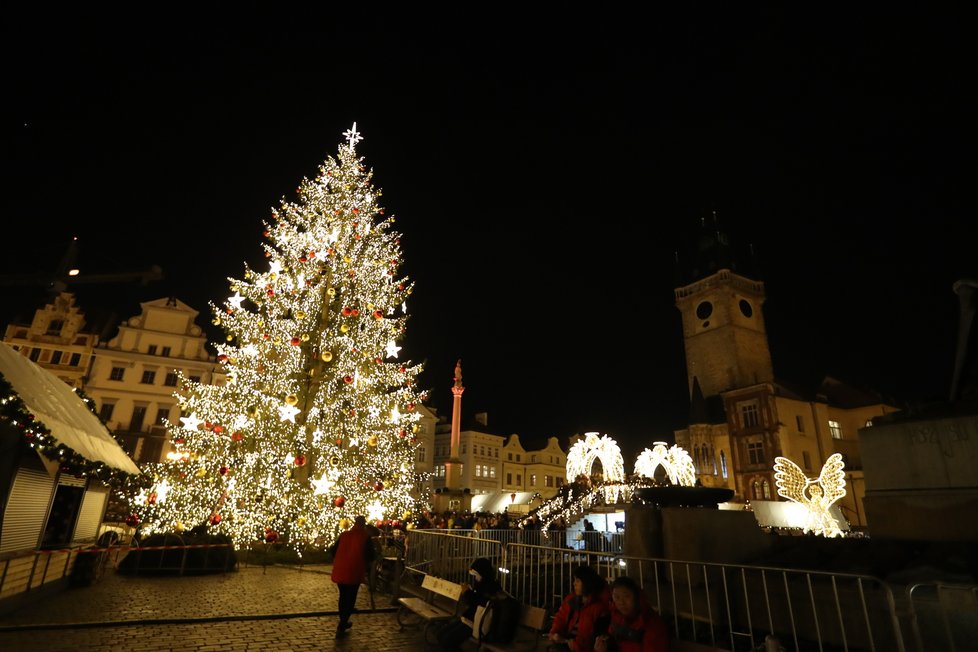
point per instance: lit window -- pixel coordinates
(766, 489)
(478, 470)
(533, 480)
(835, 429)
(492, 472)
(723, 464)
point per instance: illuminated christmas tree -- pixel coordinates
(316, 421)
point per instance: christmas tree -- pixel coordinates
(315, 423)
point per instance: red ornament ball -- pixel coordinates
(340, 501)
(215, 519)
(132, 520)
(347, 379)
(236, 436)
(379, 486)
(270, 536)
(403, 433)
(347, 311)
(222, 358)
(223, 470)
(218, 429)
(378, 315)
(300, 460)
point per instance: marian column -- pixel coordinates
(453, 466)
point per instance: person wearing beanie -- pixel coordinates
(483, 586)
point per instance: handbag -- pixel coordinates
(482, 621)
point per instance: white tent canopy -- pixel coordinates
(57, 406)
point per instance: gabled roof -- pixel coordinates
(57, 406)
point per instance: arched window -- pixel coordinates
(766, 490)
(755, 489)
(713, 460)
(723, 464)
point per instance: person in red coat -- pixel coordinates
(352, 552)
(582, 615)
(635, 626)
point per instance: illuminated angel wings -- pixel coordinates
(816, 494)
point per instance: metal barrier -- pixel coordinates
(943, 617)
(721, 605)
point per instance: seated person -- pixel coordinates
(635, 625)
(484, 585)
(583, 614)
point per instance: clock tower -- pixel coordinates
(723, 327)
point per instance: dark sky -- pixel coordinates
(544, 171)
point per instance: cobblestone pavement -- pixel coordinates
(253, 608)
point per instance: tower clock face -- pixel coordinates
(746, 309)
(704, 310)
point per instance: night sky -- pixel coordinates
(544, 171)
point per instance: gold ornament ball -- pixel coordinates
(344, 328)
(291, 399)
(299, 314)
(344, 523)
(327, 356)
(305, 337)
(372, 440)
(201, 473)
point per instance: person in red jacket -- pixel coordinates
(352, 553)
(583, 614)
(635, 626)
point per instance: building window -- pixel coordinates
(755, 452)
(170, 380)
(492, 472)
(421, 454)
(749, 414)
(560, 481)
(766, 489)
(75, 360)
(138, 416)
(55, 326)
(151, 349)
(105, 412)
(835, 429)
(194, 379)
(806, 459)
(117, 373)
(149, 377)
(755, 490)
(35, 354)
(517, 457)
(723, 464)
(463, 449)
(56, 357)
(162, 414)
(533, 480)
(800, 423)
(509, 478)
(509, 456)
(478, 470)
(166, 352)
(519, 479)
(548, 480)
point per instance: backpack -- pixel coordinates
(505, 612)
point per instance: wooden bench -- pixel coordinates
(533, 622)
(426, 609)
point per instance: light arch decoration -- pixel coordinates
(676, 462)
(580, 460)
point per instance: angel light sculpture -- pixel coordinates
(817, 495)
